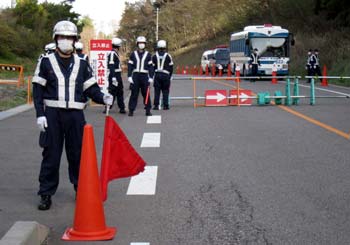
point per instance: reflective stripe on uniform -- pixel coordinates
(140, 65)
(65, 104)
(60, 77)
(163, 71)
(37, 78)
(88, 83)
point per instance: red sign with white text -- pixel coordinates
(99, 49)
(243, 97)
(216, 98)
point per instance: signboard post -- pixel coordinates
(99, 50)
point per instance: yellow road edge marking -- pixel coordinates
(309, 119)
(316, 122)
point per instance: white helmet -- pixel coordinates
(65, 28)
(141, 39)
(50, 47)
(161, 44)
(78, 46)
(116, 42)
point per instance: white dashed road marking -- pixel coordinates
(150, 140)
(140, 243)
(144, 183)
(154, 119)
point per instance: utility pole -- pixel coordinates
(156, 5)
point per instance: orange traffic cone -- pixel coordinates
(220, 72)
(213, 70)
(89, 221)
(324, 74)
(207, 70)
(229, 73)
(238, 73)
(274, 74)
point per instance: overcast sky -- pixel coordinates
(103, 12)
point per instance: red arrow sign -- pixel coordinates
(216, 98)
(243, 97)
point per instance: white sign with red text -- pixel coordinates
(99, 49)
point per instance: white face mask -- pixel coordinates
(65, 45)
(141, 45)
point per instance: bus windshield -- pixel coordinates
(271, 47)
(222, 54)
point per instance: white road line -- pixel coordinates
(150, 140)
(144, 183)
(154, 119)
(140, 243)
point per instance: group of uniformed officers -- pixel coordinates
(63, 82)
(143, 70)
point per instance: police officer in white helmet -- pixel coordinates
(115, 81)
(79, 51)
(140, 76)
(163, 64)
(49, 48)
(62, 84)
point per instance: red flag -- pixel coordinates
(119, 158)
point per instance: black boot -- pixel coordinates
(122, 111)
(45, 202)
(156, 107)
(131, 113)
(148, 113)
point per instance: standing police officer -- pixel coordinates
(61, 85)
(115, 81)
(79, 50)
(312, 62)
(140, 76)
(163, 64)
(254, 62)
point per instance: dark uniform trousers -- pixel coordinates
(140, 83)
(118, 92)
(65, 126)
(161, 83)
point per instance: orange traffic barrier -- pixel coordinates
(220, 72)
(324, 74)
(206, 70)
(13, 68)
(274, 74)
(238, 73)
(89, 221)
(177, 70)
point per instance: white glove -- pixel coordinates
(171, 78)
(150, 80)
(114, 81)
(42, 123)
(108, 99)
(130, 80)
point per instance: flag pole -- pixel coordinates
(107, 110)
(147, 96)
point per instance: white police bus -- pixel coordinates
(273, 44)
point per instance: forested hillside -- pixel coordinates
(25, 29)
(191, 26)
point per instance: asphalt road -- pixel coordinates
(226, 175)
